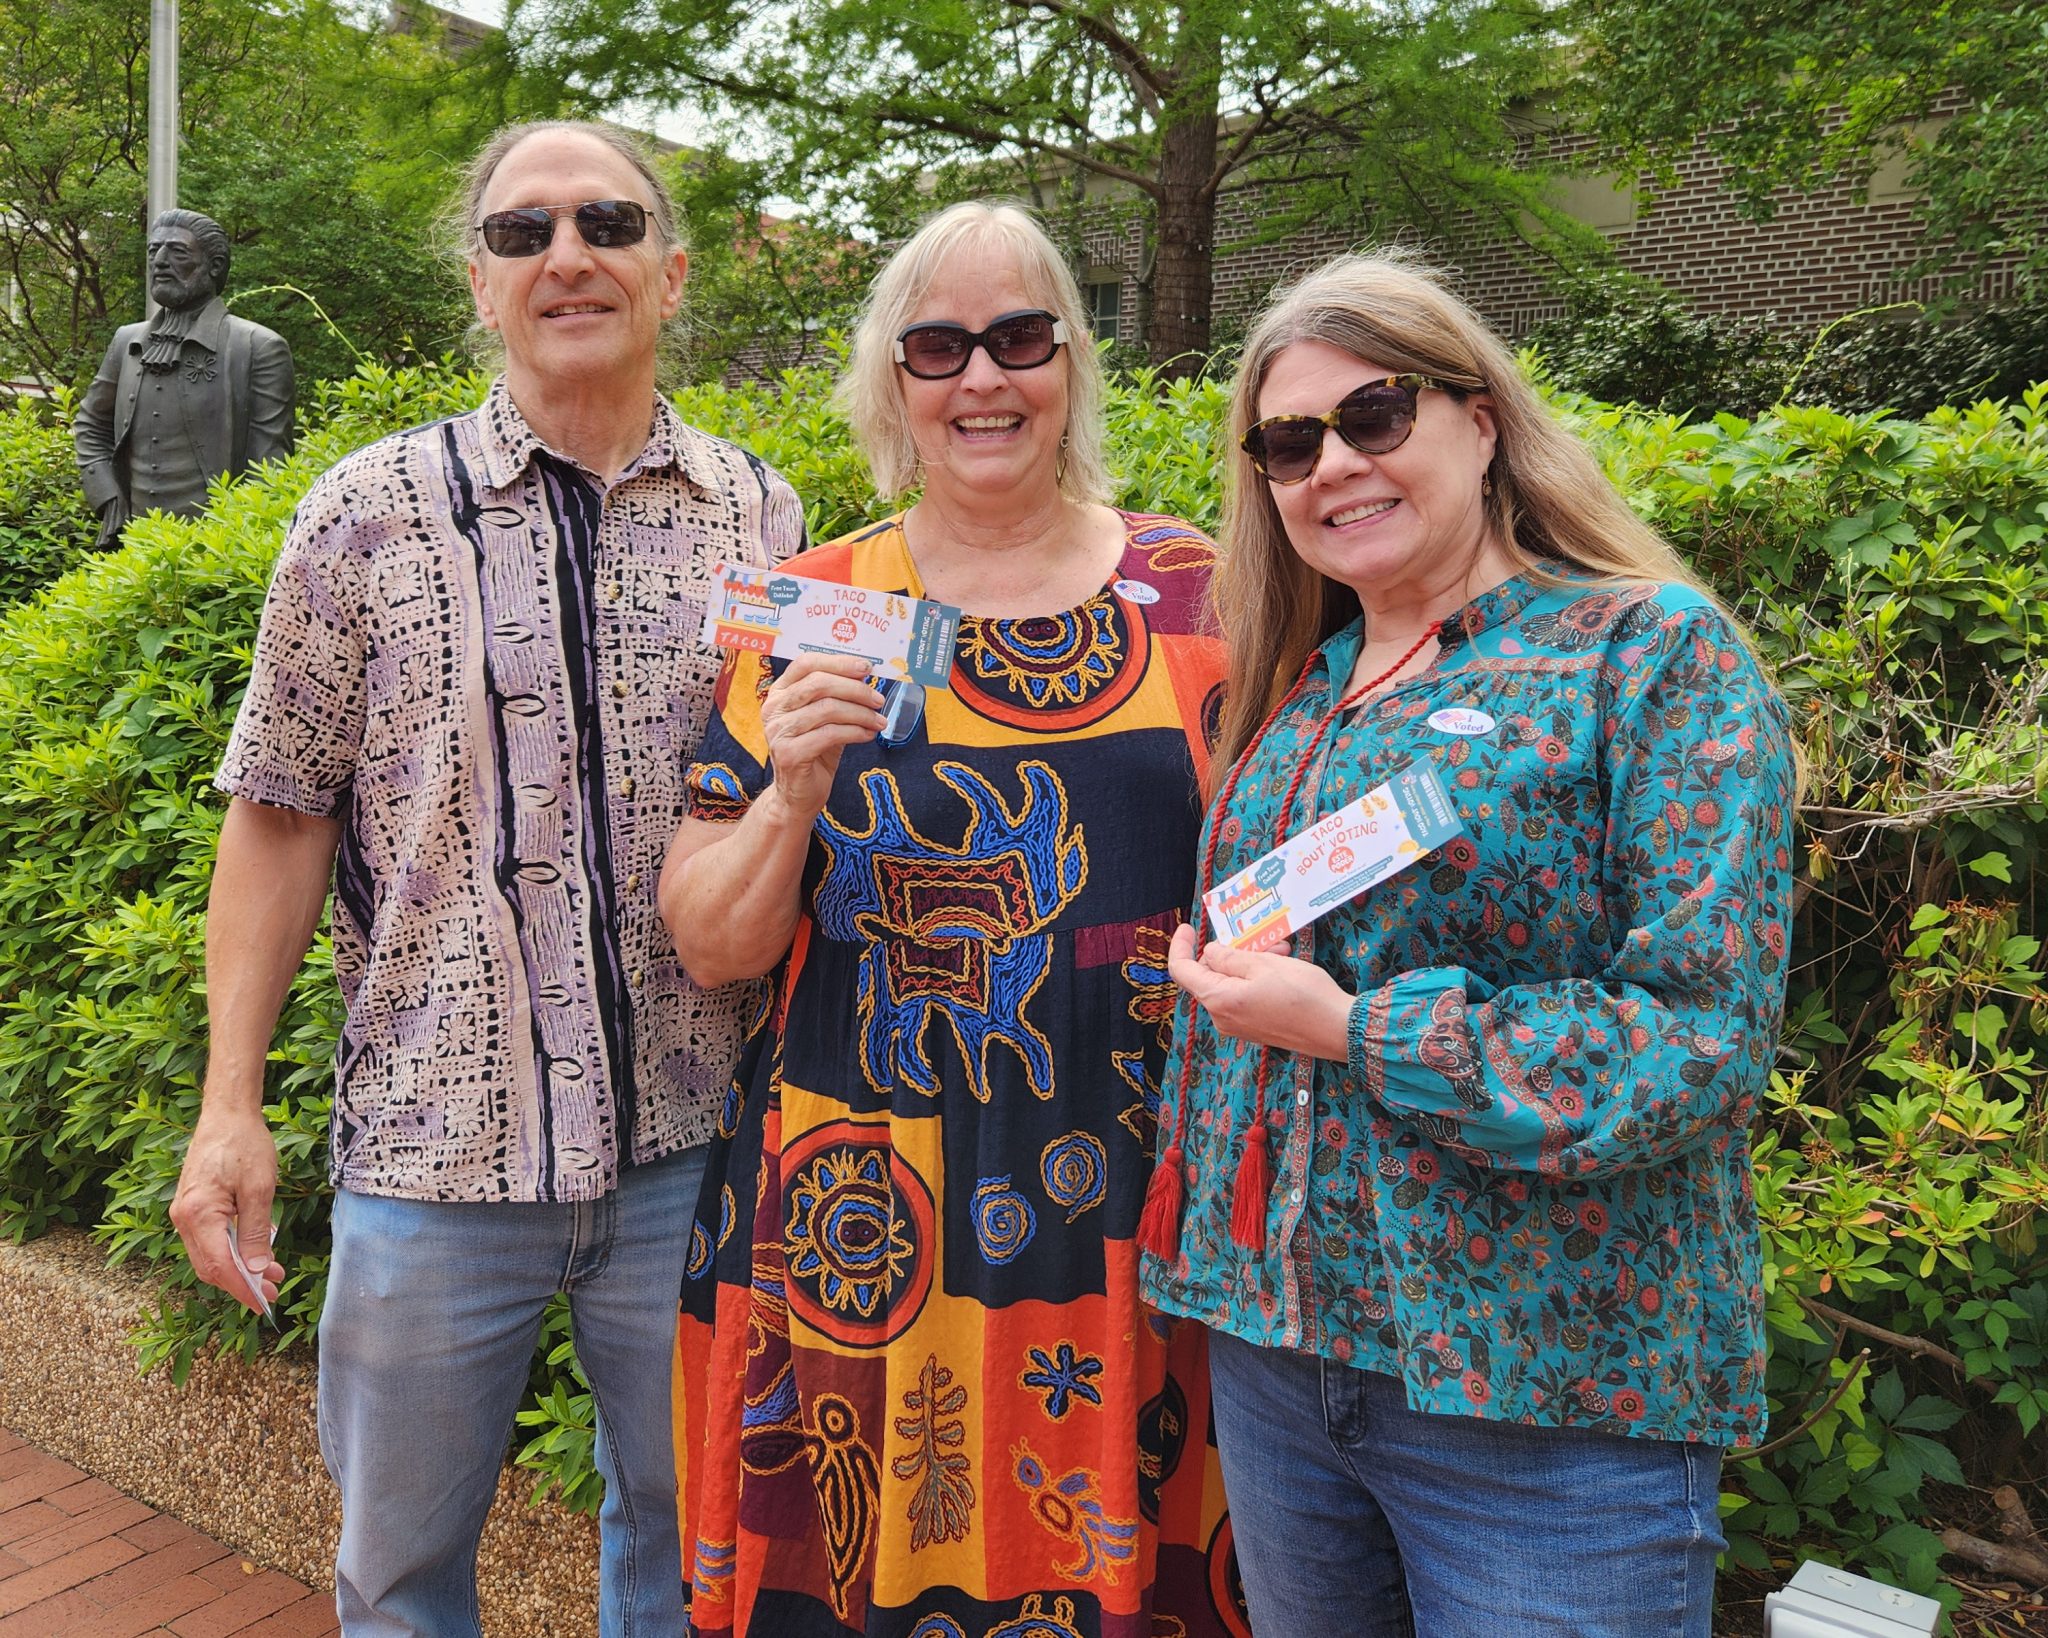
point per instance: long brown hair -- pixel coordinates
(1549, 497)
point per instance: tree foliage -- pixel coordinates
(1798, 96)
(292, 139)
(765, 293)
(1388, 117)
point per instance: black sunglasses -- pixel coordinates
(604, 224)
(1016, 341)
(1372, 419)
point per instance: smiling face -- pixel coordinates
(574, 316)
(987, 431)
(1406, 527)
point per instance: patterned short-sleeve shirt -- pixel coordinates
(486, 663)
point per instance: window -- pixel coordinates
(1105, 307)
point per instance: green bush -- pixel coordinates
(1893, 573)
(45, 525)
(1908, 363)
(1625, 339)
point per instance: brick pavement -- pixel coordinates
(80, 1560)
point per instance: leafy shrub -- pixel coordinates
(1625, 339)
(1893, 573)
(1913, 364)
(45, 525)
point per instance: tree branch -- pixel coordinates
(1931, 808)
(1918, 1346)
(2013, 1563)
(1150, 85)
(1856, 1369)
(916, 119)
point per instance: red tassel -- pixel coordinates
(1159, 1223)
(1254, 1187)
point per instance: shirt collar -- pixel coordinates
(509, 444)
(1500, 606)
(209, 328)
(204, 327)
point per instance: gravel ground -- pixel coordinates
(234, 1451)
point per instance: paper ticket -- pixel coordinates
(1334, 860)
(250, 1277)
(765, 611)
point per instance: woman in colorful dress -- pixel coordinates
(920, 1395)
(1458, 1174)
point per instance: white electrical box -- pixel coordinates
(1821, 1601)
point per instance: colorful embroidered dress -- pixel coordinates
(932, 1405)
(1527, 1194)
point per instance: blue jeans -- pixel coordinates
(429, 1330)
(1354, 1514)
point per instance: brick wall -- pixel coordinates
(1822, 255)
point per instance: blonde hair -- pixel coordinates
(991, 232)
(1549, 497)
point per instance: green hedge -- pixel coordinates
(1628, 339)
(45, 525)
(1893, 572)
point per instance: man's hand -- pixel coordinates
(230, 1176)
(269, 883)
(1276, 1000)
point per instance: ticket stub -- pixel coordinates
(250, 1278)
(1334, 860)
(765, 611)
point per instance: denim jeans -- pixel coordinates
(431, 1318)
(1354, 1514)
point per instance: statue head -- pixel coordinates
(188, 259)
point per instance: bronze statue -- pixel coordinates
(185, 395)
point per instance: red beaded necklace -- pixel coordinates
(1159, 1224)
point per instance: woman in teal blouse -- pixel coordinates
(1458, 1175)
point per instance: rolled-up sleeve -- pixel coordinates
(731, 765)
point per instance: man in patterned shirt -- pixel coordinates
(476, 686)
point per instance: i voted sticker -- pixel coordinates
(1135, 591)
(1457, 719)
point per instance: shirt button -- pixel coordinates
(633, 882)
(1294, 1196)
(619, 689)
(638, 975)
(628, 786)
(611, 591)
(1301, 1097)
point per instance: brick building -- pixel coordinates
(1823, 254)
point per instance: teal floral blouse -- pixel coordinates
(1527, 1193)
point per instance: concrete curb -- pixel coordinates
(234, 1452)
